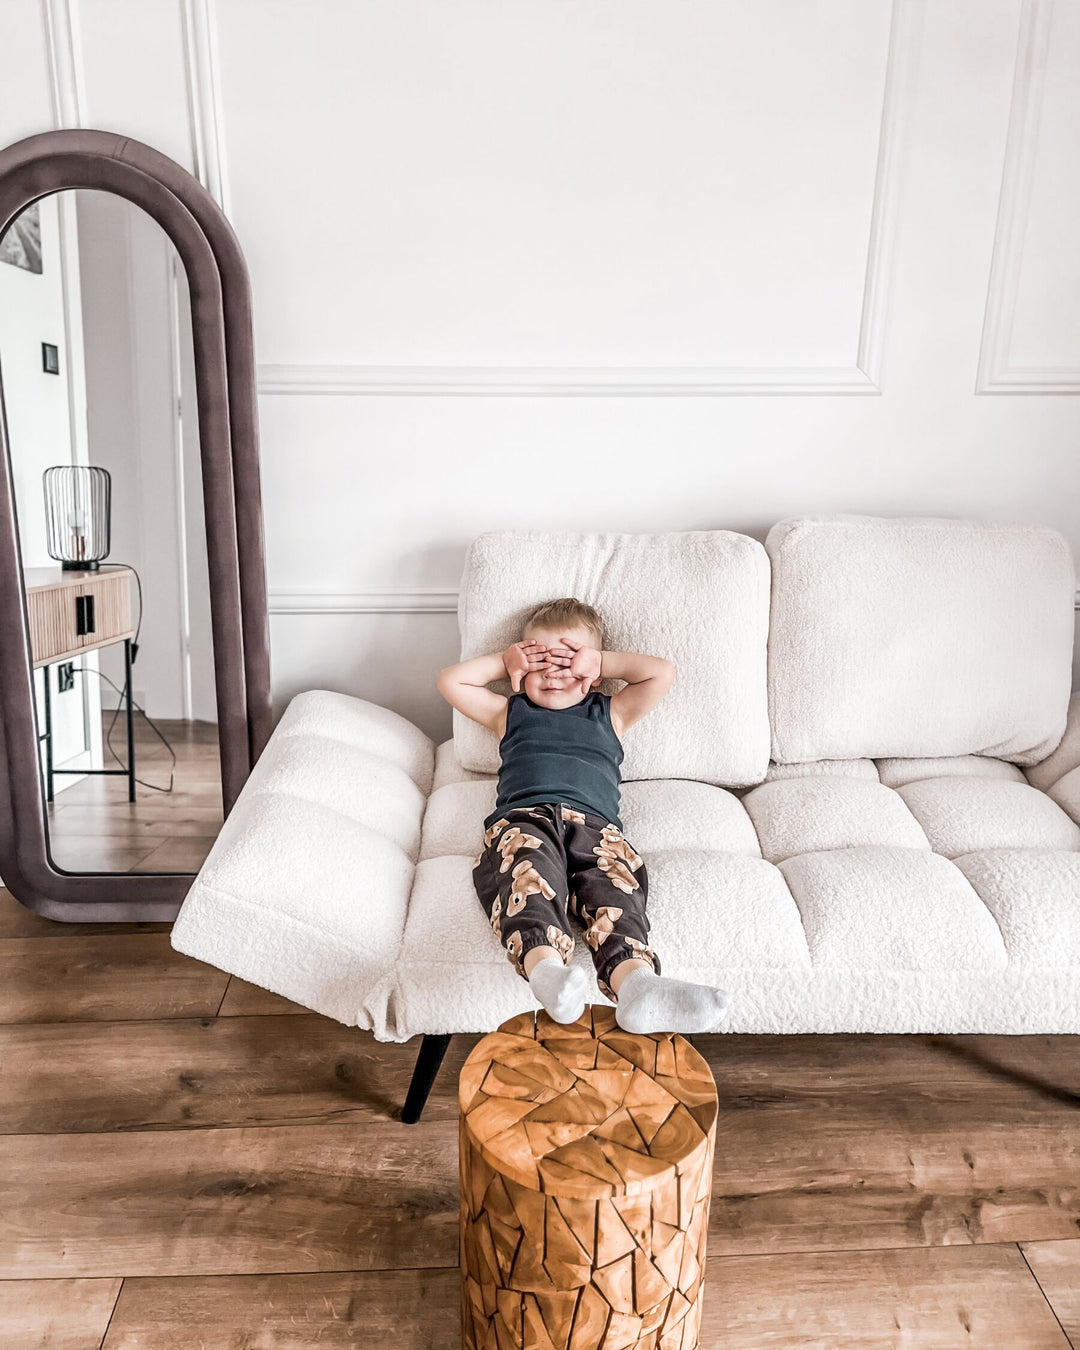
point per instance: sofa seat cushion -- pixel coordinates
(452, 973)
(801, 815)
(869, 938)
(896, 773)
(965, 815)
(823, 900)
(814, 768)
(655, 814)
(881, 908)
(454, 820)
(448, 768)
(1034, 896)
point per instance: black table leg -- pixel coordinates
(130, 726)
(48, 737)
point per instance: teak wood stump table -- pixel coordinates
(586, 1170)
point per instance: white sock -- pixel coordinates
(649, 1002)
(561, 989)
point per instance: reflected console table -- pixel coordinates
(71, 613)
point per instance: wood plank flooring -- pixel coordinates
(189, 1161)
(93, 827)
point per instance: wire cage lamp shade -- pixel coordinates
(78, 501)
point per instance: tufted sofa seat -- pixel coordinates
(856, 895)
(903, 891)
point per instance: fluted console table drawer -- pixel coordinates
(73, 612)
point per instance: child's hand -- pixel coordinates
(521, 657)
(581, 662)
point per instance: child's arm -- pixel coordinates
(648, 680)
(463, 685)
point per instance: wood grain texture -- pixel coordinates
(585, 1157)
(939, 1298)
(93, 827)
(50, 610)
(933, 1299)
(248, 1000)
(104, 853)
(191, 1073)
(105, 978)
(403, 1309)
(229, 1201)
(56, 1314)
(135, 819)
(1056, 1266)
(891, 1141)
(176, 855)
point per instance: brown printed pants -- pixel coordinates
(540, 863)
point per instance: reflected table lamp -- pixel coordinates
(78, 500)
(71, 616)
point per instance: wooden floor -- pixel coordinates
(189, 1161)
(94, 828)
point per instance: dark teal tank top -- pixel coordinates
(567, 755)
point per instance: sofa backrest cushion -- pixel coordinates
(699, 598)
(918, 636)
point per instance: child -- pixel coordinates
(554, 841)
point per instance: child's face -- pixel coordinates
(555, 687)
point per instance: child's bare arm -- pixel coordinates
(463, 685)
(648, 680)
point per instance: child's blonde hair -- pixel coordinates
(567, 613)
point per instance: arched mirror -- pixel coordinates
(134, 653)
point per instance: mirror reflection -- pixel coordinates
(97, 363)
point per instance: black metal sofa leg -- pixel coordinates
(432, 1050)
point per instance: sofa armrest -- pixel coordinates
(306, 888)
(1064, 757)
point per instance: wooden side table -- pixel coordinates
(586, 1160)
(72, 612)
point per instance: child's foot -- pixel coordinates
(649, 1002)
(561, 989)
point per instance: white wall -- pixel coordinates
(37, 408)
(618, 264)
(46, 422)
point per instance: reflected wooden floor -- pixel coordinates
(188, 1161)
(94, 828)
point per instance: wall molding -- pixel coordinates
(395, 600)
(863, 377)
(400, 600)
(564, 380)
(996, 374)
(63, 43)
(205, 118)
(905, 35)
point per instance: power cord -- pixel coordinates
(125, 694)
(85, 670)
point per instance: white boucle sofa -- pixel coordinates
(858, 805)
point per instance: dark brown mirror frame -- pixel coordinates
(56, 161)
